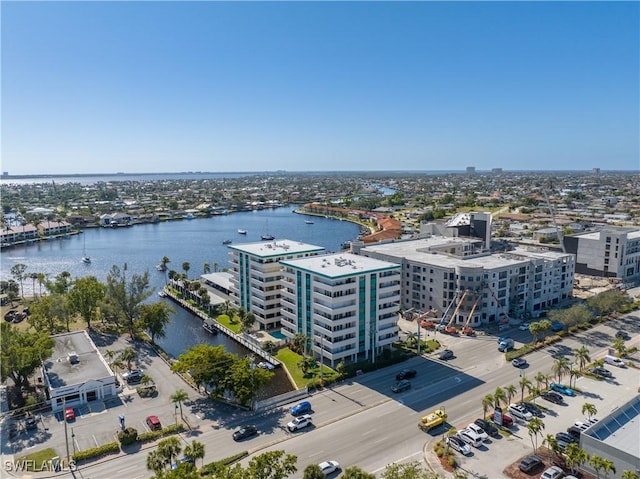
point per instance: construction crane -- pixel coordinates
(507, 319)
(449, 329)
(446, 311)
(466, 329)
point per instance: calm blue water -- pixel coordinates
(196, 241)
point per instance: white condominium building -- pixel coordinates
(449, 278)
(255, 276)
(346, 304)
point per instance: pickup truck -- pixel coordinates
(432, 420)
(505, 345)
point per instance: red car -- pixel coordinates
(507, 421)
(69, 414)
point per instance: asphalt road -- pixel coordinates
(361, 422)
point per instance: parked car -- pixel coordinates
(519, 412)
(446, 354)
(403, 385)
(69, 414)
(519, 362)
(532, 408)
(487, 427)
(182, 460)
(299, 423)
(133, 376)
(557, 326)
(245, 432)
(552, 396)
(566, 437)
(600, 372)
(530, 463)
(406, 374)
(459, 445)
(575, 431)
(154, 423)
(329, 467)
(502, 339)
(614, 361)
(524, 326)
(266, 365)
(562, 389)
(31, 423)
(301, 408)
(554, 472)
(479, 431)
(470, 437)
(507, 420)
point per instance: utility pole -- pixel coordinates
(418, 324)
(321, 359)
(64, 418)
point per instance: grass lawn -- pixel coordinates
(290, 361)
(233, 324)
(34, 461)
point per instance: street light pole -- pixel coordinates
(64, 418)
(73, 441)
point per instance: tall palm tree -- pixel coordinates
(206, 268)
(510, 391)
(156, 462)
(552, 444)
(195, 450)
(42, 279)
(186, 267)
(128, 355)
(178, 398)
(165, 261)
(560, 367)
(169, 448)
(596, 463)
(607, 467)
(589, 409)
(535, 428)
(630, 475)
(582, 357)
(487, 403)
(525, 383)
(619, 347)
(499, 396)
(540, 378)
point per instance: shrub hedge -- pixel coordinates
(109, 448)
(213, 467)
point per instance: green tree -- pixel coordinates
(306, 364)
(186, 266)
(21, 353)
(169, 449)
(573, 455)
(178, 398)
(487, 403)
(155, 317)
(560, 367)
(536, 330)
(540, 378)
(244, 381)
(17, 271)
(127, 296)
(589, 409)
(61, 283)
(525, 383)
(207, 365)
(535, 428)
(85, 296)
(195, 450)
(552, 444)
(313, 471)
(272, 465)
(248, 320)
(510, 392)
(156, 461)
(630, 475)
(128, 355)
(582, 357)
(597, 464)
(410, 470)
(499, 397)
(299, 343)
(619, 347)
(206, 268)
(354, 472)
(50, 313)
(609, 301)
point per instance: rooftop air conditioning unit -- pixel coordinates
(73, 358)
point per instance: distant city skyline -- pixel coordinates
(138, 87)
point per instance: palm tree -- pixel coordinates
(128, 355)
(186, 267)
(510, 391)
(589, 409)
(499, 396)
(412, 340)
(146, 379)
(574, 374)
(487, 402)
(178, 398)
(552, 444)
(155, 461)
(582, 357)
(525, 383)
(596, 462)
(630, 475)
(540, 378)
(195, 450)
(607, 467)
(619, 347)
(573, 454)
(206, 268)
(535, 428)
(42, 278)
(215, 266)
(169, 448)
(560, 367)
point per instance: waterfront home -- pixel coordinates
(16, 234)
(54, 228)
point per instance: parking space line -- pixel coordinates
(95, 440)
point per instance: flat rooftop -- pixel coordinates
(632, 233)
(89, 365)
(277, 248)
(340, 264)
(620, 428)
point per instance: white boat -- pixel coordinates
(309, 222)
(208, 327)
(242, 232)
(227, 241)
(161, 267)
(267, 237)
(85, 259)
(162, 293)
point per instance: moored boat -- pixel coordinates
(242, 232)
(209, 327)
(162, 293)
(227, 241)
(161, 267)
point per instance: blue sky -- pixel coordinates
(102, 87)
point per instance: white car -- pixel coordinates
(554, 472)
(470, 437)
(299, 422)
(459, 445)
(519, 412)
(329, 467)
(479, 431)
(524, 326)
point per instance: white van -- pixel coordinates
(614, 361)
(470, 437)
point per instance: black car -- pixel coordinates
(574, 431)
(552, 396)
(403, 385)
(532, 408)
(488, 427)
(622, 335)
(31, 423)
(446, 354)
(530, 463)
(566, 437)
(600, 372)
(245, 432)
(406, 374)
